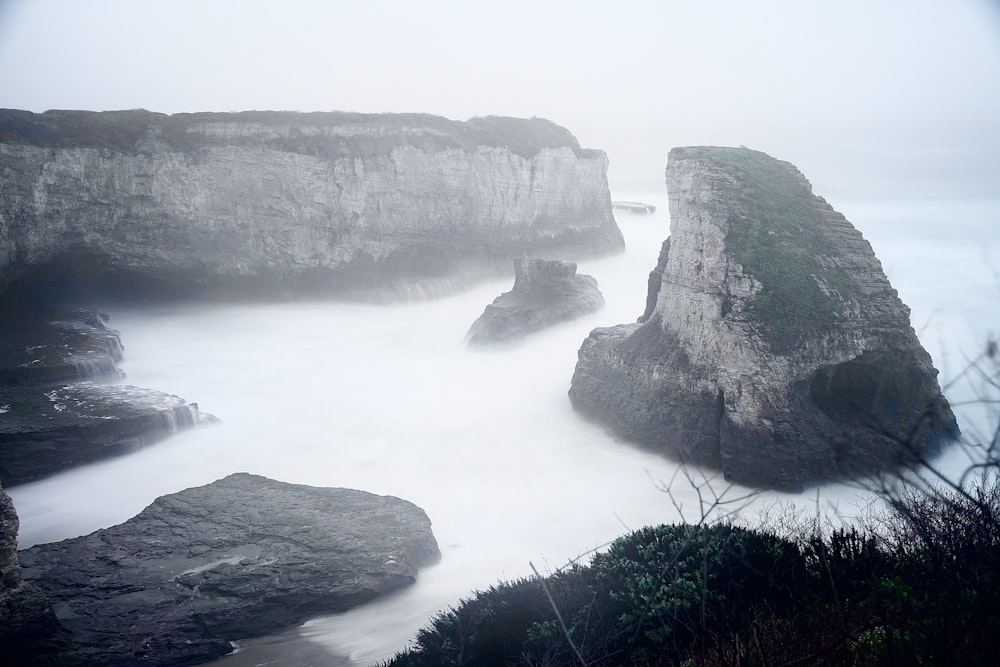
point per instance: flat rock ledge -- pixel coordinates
(241, 557)
(545, 292)
(57, 409)
(635, 207)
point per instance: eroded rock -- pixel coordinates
(545, 292)
(773, 345)
(47, 425)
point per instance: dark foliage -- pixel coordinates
(918, 586)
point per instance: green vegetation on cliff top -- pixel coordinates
(126, 132)
(775, 233)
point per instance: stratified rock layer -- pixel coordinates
(330, 202)
(545, 292)
(241, 557)
(773, 345)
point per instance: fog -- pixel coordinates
(634, 77)
(888, 107)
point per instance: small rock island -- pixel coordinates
(545, 292)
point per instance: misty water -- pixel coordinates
(388, 399)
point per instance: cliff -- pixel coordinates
(330, 202)
(773, 346)
(545, 292)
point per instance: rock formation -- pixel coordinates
(27, 621)
(47, 425)
(774, 346)
(545, 292)
(241, 557)
(330, 202)
(635, 207)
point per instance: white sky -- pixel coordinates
(628, 76)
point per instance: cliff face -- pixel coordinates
(773, 346)
(332, 202)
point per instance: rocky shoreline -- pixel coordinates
(241, 557)
(62, 403)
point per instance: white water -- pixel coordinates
(388, 399)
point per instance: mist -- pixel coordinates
(388, 399)
(889, 108)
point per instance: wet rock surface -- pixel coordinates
(47, 425)
(241, 557)
(772, 346)
(545, 292)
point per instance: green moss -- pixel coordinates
(777, 238)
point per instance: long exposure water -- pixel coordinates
(388, 399)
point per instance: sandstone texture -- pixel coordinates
(241, 557)
(335, 203)
(545, 292)
(57, 409)
(773, 346)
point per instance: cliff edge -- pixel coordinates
(773, 346)
(299, 202)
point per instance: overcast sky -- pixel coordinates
(632, 77)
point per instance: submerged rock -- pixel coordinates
(773, 346)
(545, 292)
(255, 202)
(243, 556)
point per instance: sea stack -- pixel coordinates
(546, 292)
(773, 346)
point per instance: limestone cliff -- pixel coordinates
(330, 202)
(774, 346)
